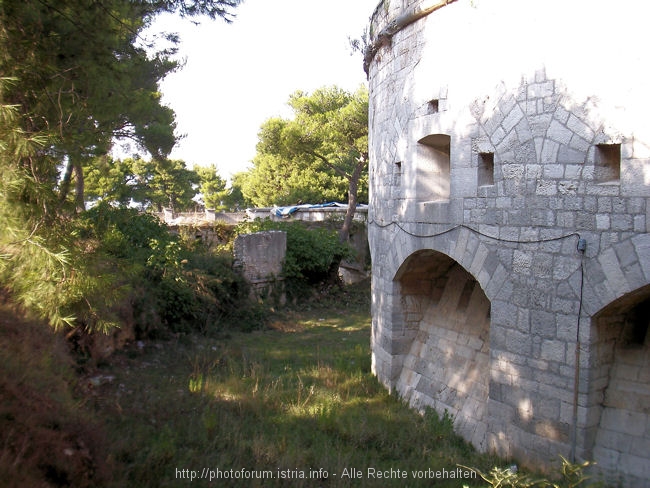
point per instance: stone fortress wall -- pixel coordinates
(508, 223)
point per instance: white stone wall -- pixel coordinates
(551, 92)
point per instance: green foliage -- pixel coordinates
(114, 181)
(174, 285)
(318, 155)
(572, 476)
(158, 184)
(42, 263)
(212, 188)
(168, 183)
(236, 199)
(76, 74)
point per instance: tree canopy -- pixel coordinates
(321, 154)
(83, 74)
(75, 75)
(158, 184)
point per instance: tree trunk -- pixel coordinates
(79, 185)
(73, 167)
(353, 190)
(64, 187)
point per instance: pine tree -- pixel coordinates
(77, 74)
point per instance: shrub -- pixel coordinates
(173, 283)
(312, 252)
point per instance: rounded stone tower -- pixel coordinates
(508, 223)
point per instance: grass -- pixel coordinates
(295, 404)
(295, 400)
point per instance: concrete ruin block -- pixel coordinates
(260, 257)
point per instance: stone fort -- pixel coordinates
(508, 224)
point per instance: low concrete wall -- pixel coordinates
(321, 214)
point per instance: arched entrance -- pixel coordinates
(620, 388)
(446, 365)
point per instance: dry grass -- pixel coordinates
(45, 439)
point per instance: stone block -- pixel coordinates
(522, 262)
(518, 343)
(623, 421)
(642, 248)
(543, 323)
(611, 267)
(512, 118)
(541, 90)
(559, 133)
(640, 224)
(580, 128)
(635, 465)
(622, 222)
(553, 350)
(603, 222)
(546, 188)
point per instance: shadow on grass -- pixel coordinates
(291, 404)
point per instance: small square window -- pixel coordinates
(434, 106)
(485, 169)
(607, 163)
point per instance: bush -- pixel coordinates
(174, 285)
(311, 252)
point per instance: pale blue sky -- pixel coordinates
(236, 76)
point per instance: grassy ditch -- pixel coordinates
(297, 400)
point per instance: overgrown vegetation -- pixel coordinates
(76, 74)
(571, 474)
(296, 399)
(169, 283)
(46, 439)
(313, 254)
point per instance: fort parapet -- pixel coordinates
(508, 223)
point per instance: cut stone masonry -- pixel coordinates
(508, 226)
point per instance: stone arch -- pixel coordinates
(616, 271)
(618, 436)
(446, 317)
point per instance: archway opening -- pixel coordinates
(446, 365)
(621, 387)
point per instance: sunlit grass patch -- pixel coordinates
(300, 397)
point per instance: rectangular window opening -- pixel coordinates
(485, 169)
(433, 168)
(434, 106)
(607, 163)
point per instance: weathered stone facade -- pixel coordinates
(508, 223)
